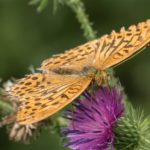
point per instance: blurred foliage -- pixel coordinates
(42, 4)
(28, 37)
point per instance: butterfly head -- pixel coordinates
(101, 77)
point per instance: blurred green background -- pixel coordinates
(28, 37)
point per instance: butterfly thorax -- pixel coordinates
(100, 76)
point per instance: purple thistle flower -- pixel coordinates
(91, 124)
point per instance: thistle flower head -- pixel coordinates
(132, 130)
(91, 125)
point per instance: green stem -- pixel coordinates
(79, 9)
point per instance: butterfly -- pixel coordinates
(65, 76)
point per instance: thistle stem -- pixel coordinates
(78, 8)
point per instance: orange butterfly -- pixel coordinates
(65, 76)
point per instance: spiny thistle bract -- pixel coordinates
(132, 131)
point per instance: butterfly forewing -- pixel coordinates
(117, 47)
(46, 94)
(74, 59)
